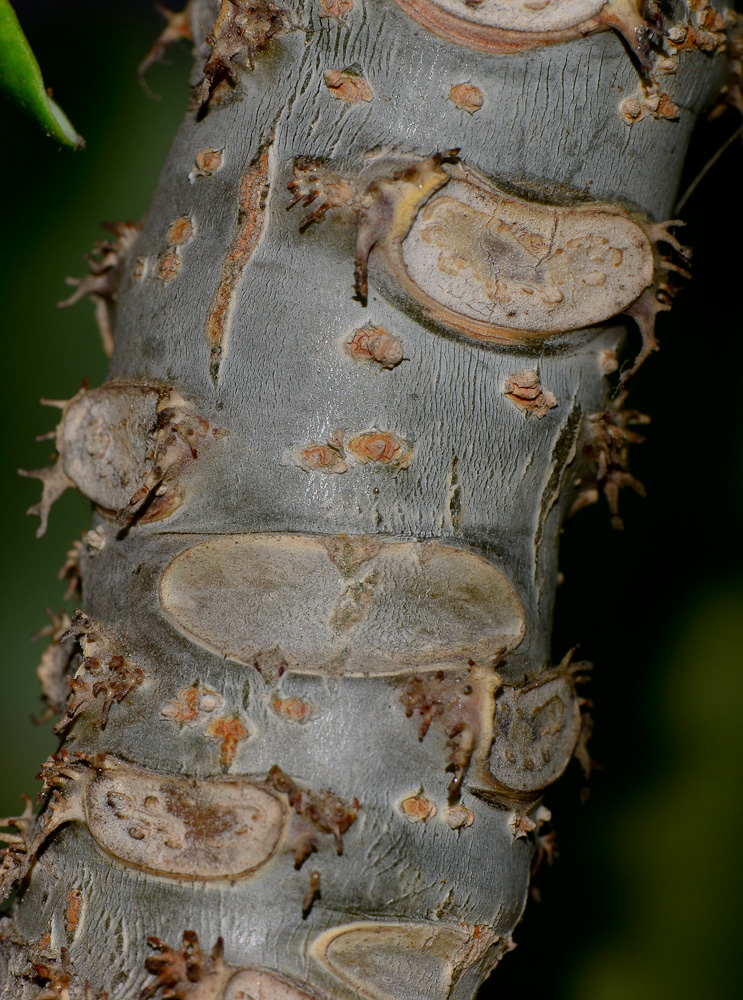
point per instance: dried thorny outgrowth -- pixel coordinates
(455, 702)
(703, 31)
(55, 662)
(659, 296)
(91, 543)
(313, 893)
(241, 30)
(70, 570)
(104, 670)
(579, 673)
(54, 480)
(178, 973)
(179, 434)
(323, 811)
(607, 448)
(18, 855)
(105, 274)
(60, 981)
(23, 847)
(314, 183)
(177, 28)
(382, 208)
(545, 852)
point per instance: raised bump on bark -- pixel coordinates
(467, 96)
(374, 343)
(525, 391)
(207, 162)
(348, 85)
(223, 593)
(105, 669)
(417, 808)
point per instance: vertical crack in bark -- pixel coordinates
(252, 196)
(563, 455)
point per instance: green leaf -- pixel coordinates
(21, 80)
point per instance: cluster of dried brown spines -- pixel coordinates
(607, 449)
(177, 28)
(242, 29)
(18, 855)
(461, 704)
(732, 90)
(380, 207)
(104, 670)
(180, 431)
(659, 296)
(58, 978)
(23, 846)
(322, 810)
(188, 974)
(445, 698)
(177, 971)
(101, 285)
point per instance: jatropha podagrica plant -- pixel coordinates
(369, 348)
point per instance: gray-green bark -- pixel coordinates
(318, 595)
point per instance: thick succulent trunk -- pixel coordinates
(316, 711)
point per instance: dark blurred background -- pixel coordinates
(643, 901)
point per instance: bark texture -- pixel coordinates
(313, 709)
